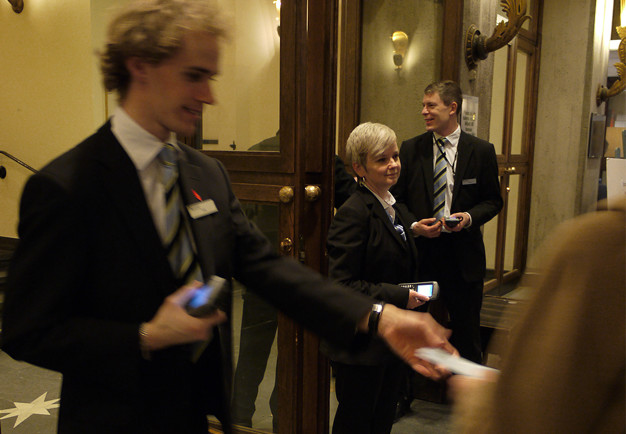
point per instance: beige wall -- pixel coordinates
(481, 13)
(394, 97)
(52, 96)
(45, 88)
(573, 64)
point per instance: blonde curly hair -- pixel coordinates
(153, 31)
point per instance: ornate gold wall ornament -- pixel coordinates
(478, 46)
(603, 93)
(18, 5)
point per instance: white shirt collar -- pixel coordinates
(453, 138)
(386, 202)
(141, 146)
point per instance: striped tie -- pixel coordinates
(440, 180)
(397, 225)
(177, 241)
(400, 230)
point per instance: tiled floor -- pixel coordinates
(28, 398)
(29, 404)
(425, 418)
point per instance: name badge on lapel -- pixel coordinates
(470, 181)
(201, 209)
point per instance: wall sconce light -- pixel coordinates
(618, 86)
(400, 43)
(18, 5)
(478, 46)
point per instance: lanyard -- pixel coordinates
(445, 157)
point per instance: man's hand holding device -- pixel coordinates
(416, 299)
(173, 324)
(429, 228)
(203, 300)
(452, 221)
(426, 290)
(455, 222)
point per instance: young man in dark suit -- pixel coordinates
(468, 190)
(93, 289)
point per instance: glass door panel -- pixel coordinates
(490, 239)
(512, 210)
(255, 352)
(519, 106)
(247, 89)
(496, 124)
(394, 96)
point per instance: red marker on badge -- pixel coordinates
(196, 195)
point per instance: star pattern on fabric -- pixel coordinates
(24, 410)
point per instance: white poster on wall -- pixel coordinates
(469, 115)
(615, 180)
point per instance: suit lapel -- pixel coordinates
(191, 177)
(426, 156)
(127, 196)
(407, 226)
(465, 150)
(379, 211)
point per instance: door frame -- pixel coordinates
(521, 164)
(307, 129)
(349, 93)
(308, 125)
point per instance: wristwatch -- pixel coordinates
(374, 318)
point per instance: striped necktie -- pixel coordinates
(440, 180)
(400, 229)
(177, 241)
(396, 225)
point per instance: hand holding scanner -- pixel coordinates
(452, 221)
(429, 289)
(202, 302)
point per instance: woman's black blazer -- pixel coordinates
(368, 255)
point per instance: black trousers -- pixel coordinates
(367, 397)
(461, 298)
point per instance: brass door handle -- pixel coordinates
(285, 194)
(286, 245)
(312, 193)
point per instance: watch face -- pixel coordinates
(374, 317)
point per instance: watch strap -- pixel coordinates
(374, 318)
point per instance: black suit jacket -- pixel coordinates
(476, 191)
(90, 267)
(368, 255)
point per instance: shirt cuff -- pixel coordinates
(470, 219)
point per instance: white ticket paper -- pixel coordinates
(454, 364)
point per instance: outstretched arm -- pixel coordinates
(406, 331)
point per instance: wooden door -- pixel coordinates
(283, 183)
(512, 130)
